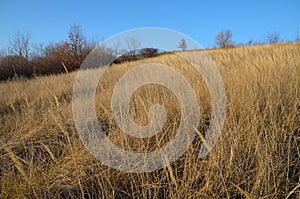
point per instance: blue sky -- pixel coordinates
(201, 20)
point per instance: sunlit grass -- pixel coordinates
(257, 155)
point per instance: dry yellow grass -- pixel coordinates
(257, 155)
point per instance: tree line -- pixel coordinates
(24, 59)
(224, 39)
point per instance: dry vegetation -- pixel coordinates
(257, 155)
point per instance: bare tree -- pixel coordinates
(298, 35)
(224, 39)
(76, 40)
(273, 38)
(133, 44)
(19, 51)
(38, 50)
(116, 48)
(3, 53)
(182, 44)
(20, 45)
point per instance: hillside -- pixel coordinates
(257, 155)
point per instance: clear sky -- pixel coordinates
(49, 21)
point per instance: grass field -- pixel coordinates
(257, 155)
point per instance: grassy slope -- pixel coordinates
(258, 154)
